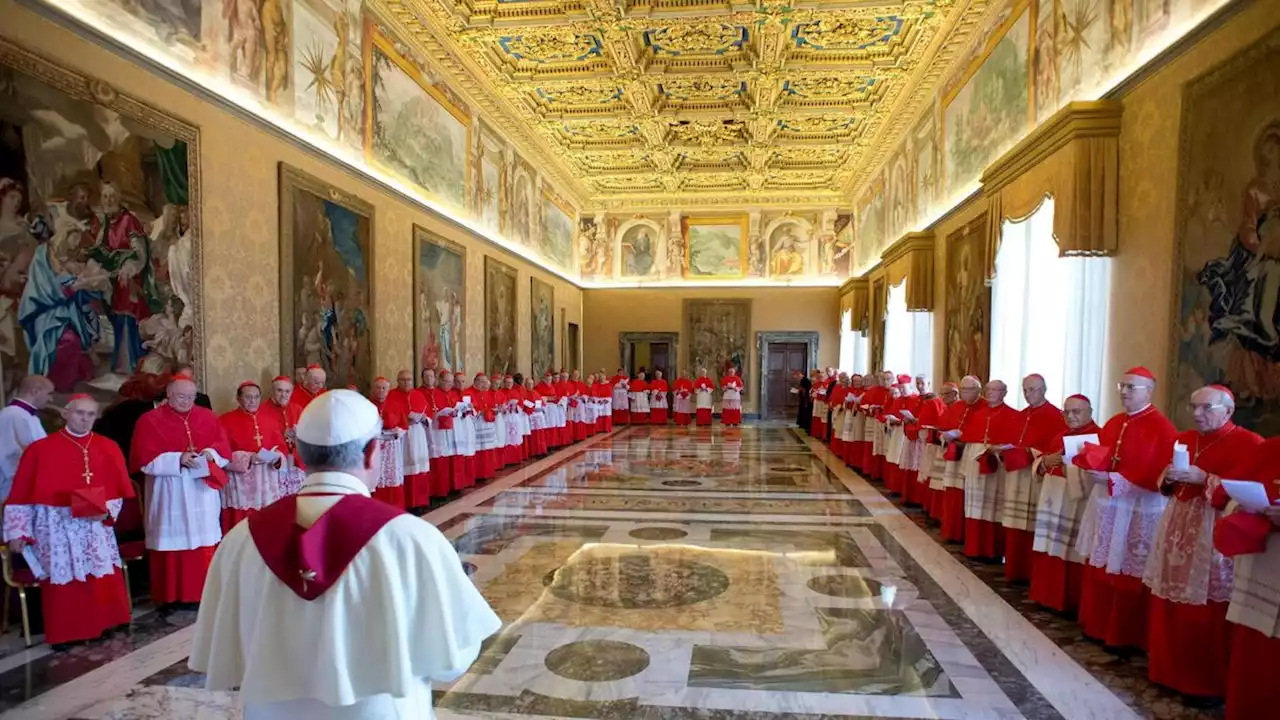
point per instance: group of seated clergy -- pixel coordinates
(202, 473)
(1132, 528)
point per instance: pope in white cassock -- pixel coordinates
(330, 605)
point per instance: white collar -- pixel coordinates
(1142, 409)
(332, 481)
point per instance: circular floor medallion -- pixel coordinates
(597, 660)
(636, 580)
(845, 586)
(658, 533)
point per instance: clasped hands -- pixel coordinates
(1190, 476)
(191, 459)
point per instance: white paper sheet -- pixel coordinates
(269, 455)
(201, 470)
(1072, 444)
(1252, 496)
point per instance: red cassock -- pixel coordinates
(564, 389)
(1254, 615)
(874, 399)
(464, 470)
(702, 415)
(927, 413)
(1056, 581)
(287, 415)
(417, 486)
(579, 392)
(621, 415)
(999, 426)
(837, 398)
(505, 454)
(51, 501)
(639, 417)
(658, 415)
(854, 448)
(895, 476)
(1188, 638)
(392, 417)
(249, 432)
(602, 391)
(1113, 606)
(555, 436)
(731, 407)
(301, 398)
(1040, 429)
(444, 467)
(177, 575)
(968, 419)
(487, 457)
(684, 386)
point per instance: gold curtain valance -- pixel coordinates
(1073, 157)
(859, 297)
(911, 260)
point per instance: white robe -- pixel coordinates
(182, 512)
(403, 614)
(18, 429)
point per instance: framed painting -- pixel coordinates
(556, 238)
(327, 296)
(870, 235)
(968, 306)
(440, 302)
(414, 128)
(719, 337)
(991, 109)
(100, 234)
(542, 308)
(715, 247)
(638, 245)
(499, 317)
(1225, 324)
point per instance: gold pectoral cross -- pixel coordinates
(88, 475)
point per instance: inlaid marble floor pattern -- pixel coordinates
(676, 573)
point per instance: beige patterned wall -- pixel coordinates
(240, 237)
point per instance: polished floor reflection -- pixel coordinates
(665, 573)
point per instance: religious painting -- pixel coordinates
(991, 110)
(595, 250)
(879, 321)
(328, 97)
(968, 310)
(718, 332)
(788, 249)
(413, 127)
(499, 317)
(1044, 61)
(1080, 40)
(178, 23)
(639, 248)
(519, 226)
(925, 153)
(489, 196)
(99, 232)
(326, 280)
(836, 259)
(556, 238)
(899, 199)
(715, 247)
(871, 230)
(252, 44)
(439, 277)
(542, 307)
(1226, 314)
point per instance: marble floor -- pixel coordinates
(674, 573)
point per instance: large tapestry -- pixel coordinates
(542, 307)
(99, 232)
(499, 317)
(718, 332)
(968, 311)
(1226, 324)
(440, 302)
(326, 280)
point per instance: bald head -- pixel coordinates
(35, 390)
(181, 395)
(1033, 389)
(80, 414)
(314, 380)
(1077, 411)
(404, 380)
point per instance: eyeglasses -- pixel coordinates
(1205, 407)
(1129, 387)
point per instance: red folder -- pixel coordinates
(1093, 457)
(217, 478)
(446, 422)
(88, 501)
(490, 416)
(1241, 533)
(988, 462)
(1016, 458)
(953, 452)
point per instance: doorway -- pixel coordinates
(651, 351)
(574, 348)
(781, 355)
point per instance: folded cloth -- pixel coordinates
(1093, 457)
(1016, 458)
(954, 452)
(988, 462)
(88, 502)
(1241, 533)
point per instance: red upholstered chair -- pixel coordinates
(17, 576)
(131, 535)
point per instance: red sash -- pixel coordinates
(311, 560)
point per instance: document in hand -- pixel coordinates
(1072, 444)
(1252, 496)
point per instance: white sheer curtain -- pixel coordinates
(853, 347)
(908, 336)
(1048, 314)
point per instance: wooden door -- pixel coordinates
(660, 359)
(783, 360)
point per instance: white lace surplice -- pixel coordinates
(731, 399)
(1183, 565)
(392, 474)
(255, 488)
(71, 549)
(1124, 550)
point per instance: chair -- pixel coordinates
(131, 535)
(19, 577)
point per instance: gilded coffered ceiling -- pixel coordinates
(698, 102)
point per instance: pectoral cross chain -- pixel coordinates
(84, 450)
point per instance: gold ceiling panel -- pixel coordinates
(699, 102)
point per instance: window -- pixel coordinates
(853, 347)
(908, 336)
(1048, 313)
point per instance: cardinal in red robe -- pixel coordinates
(390, 488)
(486, 426)
(683, 392)
(464, 439)
(640, 400)
(1139, 443)
(67, 492)
(281, 406)
(927, 414)
(411, 406)
(253, 481)
(983, 480)
(872, 406)
(731, 398)
(658, 399)
(445, 461)
(1039, 426)
(703, 387)
(1190, 581)
(181, 449)
(313, 383)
